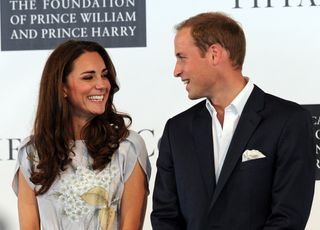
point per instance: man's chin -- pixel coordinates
(193, 97)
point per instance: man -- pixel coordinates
(240, 159)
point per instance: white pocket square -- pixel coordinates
(249, 155)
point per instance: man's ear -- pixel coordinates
(215, 52)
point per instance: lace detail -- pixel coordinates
(85, 190)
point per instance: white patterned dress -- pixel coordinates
(83, 199)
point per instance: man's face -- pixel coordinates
(194, 69)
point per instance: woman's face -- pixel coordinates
(87, 87)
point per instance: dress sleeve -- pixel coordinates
(135, 150)
(24, 164)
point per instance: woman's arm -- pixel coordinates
(27, 206)
(134, 200)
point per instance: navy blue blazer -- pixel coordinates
(274, 192)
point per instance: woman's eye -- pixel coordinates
(105, 74)
(87, 77)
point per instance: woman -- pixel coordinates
(82, 168)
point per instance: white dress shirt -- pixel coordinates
(222, 135)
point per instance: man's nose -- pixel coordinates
(177, 70)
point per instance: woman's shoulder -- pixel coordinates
(135, 138)
(133, 144)
(25, 148)
(131, 150)
(25, 142)
(24, 163)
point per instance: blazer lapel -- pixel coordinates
(248, 122)
(203, 142)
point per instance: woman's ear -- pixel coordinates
(65, 95)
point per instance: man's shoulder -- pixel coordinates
(273, 102)
(282, 104)
(190, 112)
(183, 121)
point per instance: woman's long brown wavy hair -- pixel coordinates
(53, 133)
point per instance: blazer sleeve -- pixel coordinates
(166, 211)
(294, 175)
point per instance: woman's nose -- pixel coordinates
(102, 83)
